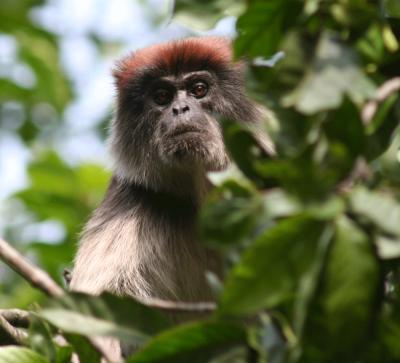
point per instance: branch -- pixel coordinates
(384, 91)
(10, 334)
(35, 276)
(360, 171)
(16, 317)
(178, 306)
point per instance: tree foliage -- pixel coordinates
(310, 238)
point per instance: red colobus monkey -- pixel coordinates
(141, 241)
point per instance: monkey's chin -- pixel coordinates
(192, 155)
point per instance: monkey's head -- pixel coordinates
(170, 97)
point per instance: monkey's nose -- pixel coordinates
(179, 110)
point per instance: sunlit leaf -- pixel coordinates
(334, 73)
(20, 355)
(205, 14)
(378, 208)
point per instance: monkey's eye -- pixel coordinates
(162, 96)
(199, 89)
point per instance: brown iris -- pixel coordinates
(199, 89)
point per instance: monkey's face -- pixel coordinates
(186, 131)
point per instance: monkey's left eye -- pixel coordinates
(162, 96)
(199, 89)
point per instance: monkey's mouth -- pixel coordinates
(184, 131)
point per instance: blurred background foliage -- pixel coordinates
(311, 238)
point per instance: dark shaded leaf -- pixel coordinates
(343, 296)
(196, 342)
(272, 267)
(262, 26)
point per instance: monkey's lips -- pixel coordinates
(184, 131)
(185, 143)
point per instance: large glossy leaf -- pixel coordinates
(196, 342)
(271, 269)
(344, 306)
(20, 355)
(261, 27)
(334, 73)
(83, 348)
(379, 208)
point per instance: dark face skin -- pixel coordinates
(186, 129)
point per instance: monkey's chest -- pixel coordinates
(167, 262)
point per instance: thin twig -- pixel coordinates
(384, 91)
(360, 171)
(37, 277)
(179, 306)
(12, 335)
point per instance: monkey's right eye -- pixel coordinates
(162, 96)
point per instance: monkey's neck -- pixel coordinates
(190, 185)
(183, 194)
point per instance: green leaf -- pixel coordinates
(383, 127)
(272, 267)
(392, 8)
(83, 348)
(245, 150)
(20, 355)
(41, 54)
(333, 74)
(205, 14)
(387, 248)
(73, 322)
(59, 191)
(345, 126)
(262, 26)
(230, 215)
(379, 208)
(126, 312)
(105, 315)
(40, 339)
(343, 296)
(193, 342)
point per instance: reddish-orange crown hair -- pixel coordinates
(177, 56)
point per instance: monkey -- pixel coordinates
(165, 137)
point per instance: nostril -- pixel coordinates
(175, 111)
(185, 109)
